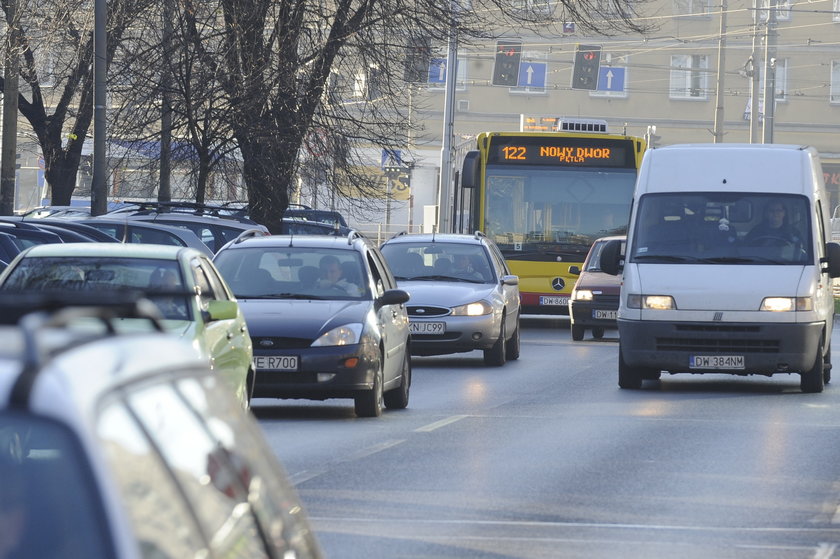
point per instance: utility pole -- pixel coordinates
(769, 74)
(8, 166)
(98, 190)
(719, 117)
(754, 78)
(444, 188)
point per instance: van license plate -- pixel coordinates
(716, 362)
(548, 300)
(603, 315)
(276, 362)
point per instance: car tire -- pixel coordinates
(397, 398)
(369, 402)
(812, 381)
(495, 356)
(577, 332)
(598, 332)
(512, 345)
(628, 377)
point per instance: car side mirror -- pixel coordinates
(574, 270)
(510, 280)
(221, 310)
(611, 261)
(393, 297)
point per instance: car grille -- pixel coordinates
(447, 337)
(267, 342)
(718, 338)
(426, 311)
(602, 299)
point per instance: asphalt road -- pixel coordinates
(547, 458)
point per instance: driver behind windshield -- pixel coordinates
(774, 225)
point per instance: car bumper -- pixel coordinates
(462, 334)
(767, 348)
(323, 372)
(589, 314)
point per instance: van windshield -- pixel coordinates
(722, 228)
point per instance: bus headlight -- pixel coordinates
(786, 304)
(652, 302)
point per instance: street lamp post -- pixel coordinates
(98, 191)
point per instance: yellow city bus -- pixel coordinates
(544, 197)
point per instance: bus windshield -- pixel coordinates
(554, 214)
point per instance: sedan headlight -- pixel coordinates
(652, 302)
(786, 304)
(582, 295)
(473, 309)
(343, 335)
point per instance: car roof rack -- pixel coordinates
(228, 210)
(249, 234)
(37, 311)
(353, 235)
(479, 235)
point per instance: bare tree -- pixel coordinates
(57, 75)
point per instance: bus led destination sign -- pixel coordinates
(581, 152)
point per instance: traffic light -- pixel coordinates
(506, 66)
(587, 65)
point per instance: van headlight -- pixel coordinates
(582, 295)
(343, 335)
(473, 309)
(652, 302)
(786, 304)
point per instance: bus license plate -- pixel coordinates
(716, 361)
(549, 300)
(276, 362)
(604, 315)
(427, 327)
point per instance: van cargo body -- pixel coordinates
(727, 266)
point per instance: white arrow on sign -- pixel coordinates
(609, 75)
(530, 72)
(442, 74)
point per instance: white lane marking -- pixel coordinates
(438, 424)
(825, 551)
(305, 475)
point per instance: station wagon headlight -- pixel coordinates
(582, 295)
(343, 335)
(652, 302)
(473, 309)
(786, 304)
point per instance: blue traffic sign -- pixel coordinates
(611, 78)
(437, 70)
(532, 74)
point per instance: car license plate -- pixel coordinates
(604, 315)
(427, 327)
(276, 362)
(716, 361)
(549, 300)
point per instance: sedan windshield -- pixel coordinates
(439, 262)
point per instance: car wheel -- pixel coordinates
(577, 332)
(598, 332)
(495, 356)
(397, 399)
(369, 402)
(812, 381)
(628, 377)
(512, 345)
(827, 365)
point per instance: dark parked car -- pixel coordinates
(594, 300)
(129, 231)
(325, 316)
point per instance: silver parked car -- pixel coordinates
(463, 296)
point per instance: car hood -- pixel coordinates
(445, 293)
(300, 318)
(181, 328)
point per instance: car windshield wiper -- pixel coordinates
(443, 278)
(727, 260)
(280, 296)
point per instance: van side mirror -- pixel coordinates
(832, 253)
(611, 261)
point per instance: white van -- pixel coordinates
(728, 265)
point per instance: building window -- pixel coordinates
(693, 8)
(614, 70)
(689, 76)
(533, 74)
(782, 9)
(834, 91)
(780, 87)
(836, 15)
(533, 7)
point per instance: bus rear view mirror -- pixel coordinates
(471, 170)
